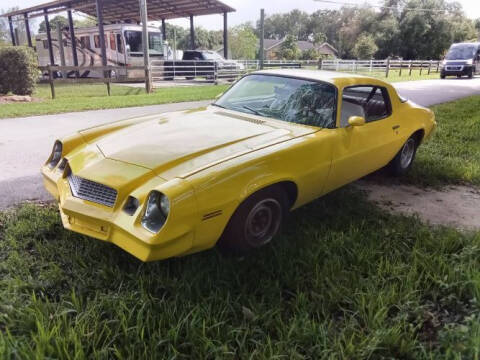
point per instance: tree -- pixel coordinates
(310, 54)
(243, 42)
(57, 21)
(289, 49)
(365, 47)
(87, 22)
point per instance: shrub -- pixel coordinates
(18, 70)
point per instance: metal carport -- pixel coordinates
(111, 11)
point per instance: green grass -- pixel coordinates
(341, 282)
(394, 75)
(452, 155)
(79, 97)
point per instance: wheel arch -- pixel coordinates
(290, 188)
(419, 135)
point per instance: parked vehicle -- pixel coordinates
(174, 184)
(123, 44)
(199, 63)
(462, 59)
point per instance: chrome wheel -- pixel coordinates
(407, 154)
(263, 222)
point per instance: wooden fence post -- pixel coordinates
(320, 64)
(429, 66)
(438, 66)
(371, 65)
(401, 66)
(387, 69)
(410, 68)
(50, 79)
(421, 68)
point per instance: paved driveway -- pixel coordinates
(26, 142)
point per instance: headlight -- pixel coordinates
(156, 212)
(56, 154)
(470, 62)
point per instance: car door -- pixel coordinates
(361, 150)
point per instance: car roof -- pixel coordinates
(340, 79)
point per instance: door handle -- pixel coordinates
(396, 127)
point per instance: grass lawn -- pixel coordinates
(345, 282)
(394, 75)
(93, 96)
(452, 156)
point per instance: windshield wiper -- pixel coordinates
(256, 112)
(220, 106)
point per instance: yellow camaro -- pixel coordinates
(174, 184)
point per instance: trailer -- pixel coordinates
(123, 43)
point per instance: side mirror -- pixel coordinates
(356, 121)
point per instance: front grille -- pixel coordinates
(89, 190)
(454, 68)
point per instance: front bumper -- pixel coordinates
(114, 225)
(454, 70)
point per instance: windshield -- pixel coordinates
(133, 39)
(212, 56)
(464, 52)
(282, 98)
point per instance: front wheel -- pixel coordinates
(255, 222)
(403, 161)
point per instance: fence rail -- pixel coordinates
(212, 71)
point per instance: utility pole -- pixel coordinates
(262, 36)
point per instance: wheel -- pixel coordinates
(470, 74)
(442, 76)
(403, 161)
(255, 222)
(459, 76)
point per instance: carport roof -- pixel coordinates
(114, 10)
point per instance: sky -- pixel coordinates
(249, 10)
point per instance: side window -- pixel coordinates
(113, 44)
(188, 55)
(370, 102)
(119, 44)
(96, 40)
(85, 41)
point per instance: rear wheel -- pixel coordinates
(255, 222)
(442, 76)
(403, 161)
(470, 74)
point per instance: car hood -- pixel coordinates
(182, 143)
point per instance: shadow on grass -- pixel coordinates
(342, 280)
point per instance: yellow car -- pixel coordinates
(175, 184)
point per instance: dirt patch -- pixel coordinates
(9, 99)
(457, 206)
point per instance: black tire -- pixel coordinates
(403, 161)
(470, 74)
(255, 222)
(442, 76)
(459, 76)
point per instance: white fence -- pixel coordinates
(381, 65)
(213, 71)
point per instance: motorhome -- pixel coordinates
(123, 44)
(463, 59)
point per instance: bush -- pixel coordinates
(18, 70)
